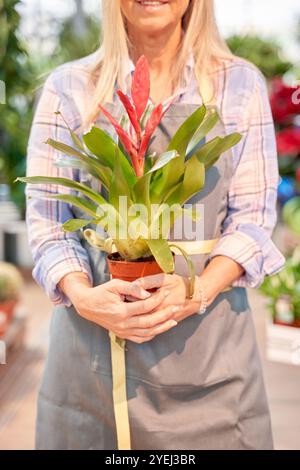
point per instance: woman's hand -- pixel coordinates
(218, 275)
(105, 305)
(177, 302)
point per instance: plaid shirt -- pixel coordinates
(243, 101)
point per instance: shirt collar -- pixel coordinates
(189, 66)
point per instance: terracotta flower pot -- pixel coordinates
(131, 270)
(3, 324)
(8, 307)
(294, 324)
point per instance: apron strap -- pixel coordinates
(119, 391)
(193, 247)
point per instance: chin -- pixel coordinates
(152, 25)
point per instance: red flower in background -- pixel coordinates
(288, 142)
(283, 105)
(136, 142)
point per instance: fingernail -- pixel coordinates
(173, 323)
(175, 309)
(146, 294)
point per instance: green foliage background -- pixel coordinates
(266, 54)
(16, 114)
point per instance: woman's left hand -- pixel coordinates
(177, 301)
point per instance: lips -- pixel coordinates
(152, 2)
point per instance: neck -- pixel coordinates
(160, 50)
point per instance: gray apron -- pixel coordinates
(197, 386)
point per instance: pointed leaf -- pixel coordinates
(163, 159)
(191, 268)
(73, 225)
(162, 253)
(141, 190)
(193, 182)
(210, 152)
(140, 89)
(91, 166)
(75, 138)
(125, 138)
(119, 186)
(151, 125)
(185, 132)
(68, 183)
(207, 125)
(76, 201)
(104, 148)
(67, 149)
(131, 112)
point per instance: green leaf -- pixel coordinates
(93, 166)
(210, 152)
(193, 182)
(75, 138)
(119, 185)
(191, 268)
(171, 174)
(76, 201)
(64, 148)
(73, 225)
(104, 148)
(185, 132)
(94, 239)
(162, 253)
(141, 190)
(207, 125)
(163, 159)
(65, 182)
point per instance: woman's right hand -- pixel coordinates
(105, 305)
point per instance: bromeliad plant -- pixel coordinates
(128, 172)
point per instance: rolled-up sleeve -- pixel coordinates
(55, 252)
(251, 217)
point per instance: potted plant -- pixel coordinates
(136, 241)
(10, 286)
(130, 174)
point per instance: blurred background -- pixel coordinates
(35, 37)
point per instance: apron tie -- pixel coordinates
(118, 358)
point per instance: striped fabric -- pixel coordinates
(243, 102)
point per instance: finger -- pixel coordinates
(152, 319)
(139, 339)
(130, 288)
(150, 282)
(145, 306)
(156, 330)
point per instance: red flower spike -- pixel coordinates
(151, 125)
(125, 139)
(123, 136)
(131, 113)
(136, 141)
(140, 89)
